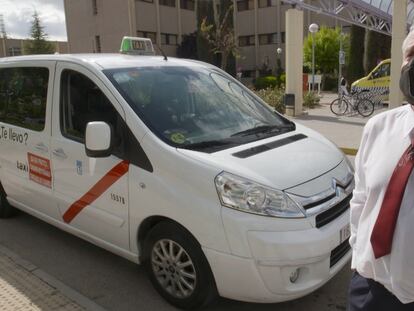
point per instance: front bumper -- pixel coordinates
(264, 275)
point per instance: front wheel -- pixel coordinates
(177, 267)
(365, 107)
(339, 106)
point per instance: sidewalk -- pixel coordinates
(344, 131)
(24, 287)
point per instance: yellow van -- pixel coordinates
(377, 81)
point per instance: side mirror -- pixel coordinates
(98, 139)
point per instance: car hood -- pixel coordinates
(280, 167)
(359, 81)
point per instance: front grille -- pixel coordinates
(340, 251)
(334, 212)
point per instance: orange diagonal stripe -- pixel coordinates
(96, 191)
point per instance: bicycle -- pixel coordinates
(356, 101)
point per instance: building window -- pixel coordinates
(246, 40)
(244, 5)
(98, 44)
(14, 51)
(168, 3)
(148, 34)
(268, 38)
(267, 3)
(168, 39)
(283, 36)
(187, 4)
(94, 7)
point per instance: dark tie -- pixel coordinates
(383, 232)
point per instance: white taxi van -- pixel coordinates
(176, 165)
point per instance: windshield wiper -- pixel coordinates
(265, 129)
(254, 130)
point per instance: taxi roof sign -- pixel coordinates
(137, 46)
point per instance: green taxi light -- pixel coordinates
(136, 46)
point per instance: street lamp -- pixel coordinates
(313, 28)
(278, 62)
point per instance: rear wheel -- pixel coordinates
(177, 267)
(6, 210)
(365, 107)
(339, 106)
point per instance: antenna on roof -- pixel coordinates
(162, 52)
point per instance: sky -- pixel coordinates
(17, 16)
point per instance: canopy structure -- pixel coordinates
(371, 14)
(390, 17)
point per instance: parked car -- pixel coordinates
(377, 82)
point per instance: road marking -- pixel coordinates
(97, 190)
(350, 151)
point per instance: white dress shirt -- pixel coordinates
(384, 140)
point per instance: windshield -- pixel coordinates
(196, 108)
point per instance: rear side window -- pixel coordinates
(23, 96)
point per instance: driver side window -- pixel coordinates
(82, 102)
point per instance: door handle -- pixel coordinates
(60, 153)
(41, 147)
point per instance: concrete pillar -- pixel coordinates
(399, 32)
(294, 57)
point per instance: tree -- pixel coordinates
(327, 45)
(188, 46)
(377, 48)
(220, 33)
(38, 43)
(355, 68)
(204, 11)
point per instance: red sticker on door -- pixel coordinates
(39, 170)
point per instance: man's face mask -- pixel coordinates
(407, 81)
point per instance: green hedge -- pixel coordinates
(269, 81)
(265, 82)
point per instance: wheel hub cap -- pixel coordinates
(173, 268)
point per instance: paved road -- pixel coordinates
(117, 284)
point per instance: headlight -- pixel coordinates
(248, 196)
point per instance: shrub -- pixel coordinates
(265, 82)
(282, 80)
(273, 96)
(311, 100)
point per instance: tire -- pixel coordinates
(193, 285)
(6, 210)
(338, 107)
(365, 107)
